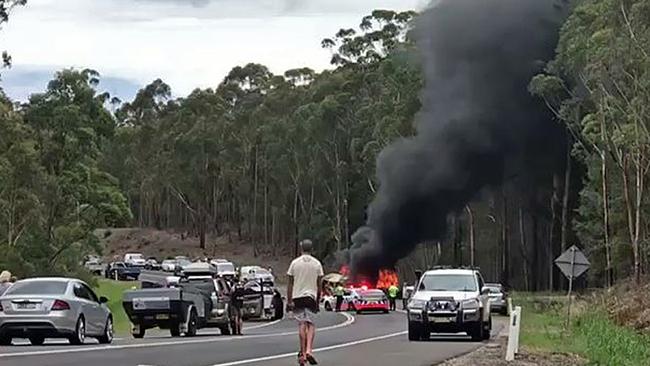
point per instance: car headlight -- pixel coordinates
(416, 304)
(470, 304)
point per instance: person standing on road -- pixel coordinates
(237, 301)
(303, 296)
(339, 292)
(5, 281)
(392, 296)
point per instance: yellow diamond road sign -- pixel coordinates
(572, 263)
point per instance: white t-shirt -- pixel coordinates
(305, 271)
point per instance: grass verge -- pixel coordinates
(591, 335)
(113, 290)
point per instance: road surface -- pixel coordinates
(342, 340)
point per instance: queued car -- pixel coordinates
(498, 298)
(224, 268)
(168, 265)
(120, 271)
(329, 301)
(42, 308)
(152, 264)
(134, 259)
(94, 266)
(450, 301)
(256, 273)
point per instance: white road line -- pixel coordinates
(349, 320)
(323, 349)
(262, 325)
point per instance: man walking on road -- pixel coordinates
(303, 296)
(392, 296)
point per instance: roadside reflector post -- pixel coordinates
(509, 306)
(513, 334)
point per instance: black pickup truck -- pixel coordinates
(121, 271)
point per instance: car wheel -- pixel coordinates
(79, 336)
(37, 340)
(192, 325)
(476, 331)
(174, 330)
(279, 308)
(386, 311)
(487, 330)
(358, 311)
(504, 311)
(415, 331)
(139, 333)
(225, 330)
(425, 333)
(107, 337)
(5, 341)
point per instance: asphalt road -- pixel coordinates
(342, 340)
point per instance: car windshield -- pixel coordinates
(448, 282)
(43, 287)
(119, 265)
(137, 256)
(169, 262)
(493, 289)
(183, 262)
(225, 267)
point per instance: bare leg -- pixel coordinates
(302, 333)
(311, 334)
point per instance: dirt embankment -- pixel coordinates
(163, 244)
(494, 354)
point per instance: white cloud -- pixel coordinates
(188, 43)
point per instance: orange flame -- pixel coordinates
(387, 278)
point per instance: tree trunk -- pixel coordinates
(505, 244)
(254, 218)
(523, 247)
(266, 206)
(565, 199)
(630, 211)
(472, 246)
(551, 242)
(609, 270)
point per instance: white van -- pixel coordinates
(134, 259)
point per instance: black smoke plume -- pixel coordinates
(478, 123)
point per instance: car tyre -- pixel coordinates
(107, 337)
(487, 330)
(192, 325)
(140, 333)
(279, 308)
(36, 340)
(79, 336)
(476, 331)
(225, 330)
(415, 331)
(386, 311)
(174, 330)
(5, 341)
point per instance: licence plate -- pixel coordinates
(444, 320)
(26, 306)
(162, 316)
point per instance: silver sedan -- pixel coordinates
(42, 308)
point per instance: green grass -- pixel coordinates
(113, 290)
(592, 334)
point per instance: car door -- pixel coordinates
(89, 308)
(99, 312)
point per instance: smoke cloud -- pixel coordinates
(478, 123)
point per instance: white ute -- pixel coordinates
(450, 301)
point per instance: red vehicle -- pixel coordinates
(369, 300)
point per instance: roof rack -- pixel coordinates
(477, 268)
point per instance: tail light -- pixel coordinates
(60, 305)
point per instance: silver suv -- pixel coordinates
(450, 301)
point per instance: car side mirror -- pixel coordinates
(485, 291)
(103, 300)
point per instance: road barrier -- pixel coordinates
(513, 334)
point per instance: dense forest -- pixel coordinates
(269, 159)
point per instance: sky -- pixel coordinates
(187, 43)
